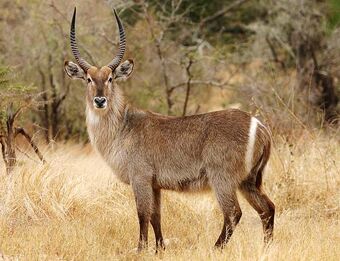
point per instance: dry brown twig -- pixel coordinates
(22, 131)
(188, 84)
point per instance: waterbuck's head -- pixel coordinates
(101, 87)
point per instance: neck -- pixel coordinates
(115, 115)
(103, 127)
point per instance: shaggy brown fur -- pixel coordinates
(223, 150)
(193, 153)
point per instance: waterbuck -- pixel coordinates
(224, 150)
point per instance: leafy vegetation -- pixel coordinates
(222, 39)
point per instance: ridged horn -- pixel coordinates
(122, 45)
(82, 63)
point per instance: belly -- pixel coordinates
(190, 180)
(166, 174)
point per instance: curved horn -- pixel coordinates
(122, 45)
(82, 63)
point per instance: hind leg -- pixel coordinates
(263, 206)
(231, 210)
(156, 219)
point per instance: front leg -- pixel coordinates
(156, 219)
(144, 196)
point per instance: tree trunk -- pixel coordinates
(310, 75)
(328, 99)
(7, 141)
(10, 144)
(45, 115)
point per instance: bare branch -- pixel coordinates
(31, 142)
(285, 46)
(26, 154)
(274, 53)
(197, 108)
(9, 114)
(160, 54)
(187, 94)
(205, 82)
(88, 53)
(3, 149)
(18, 112)
(110, 41)
(56, 9)
(221, 12)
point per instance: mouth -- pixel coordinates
(99, 106)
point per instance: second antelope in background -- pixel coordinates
(223, 150)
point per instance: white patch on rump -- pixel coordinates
(251, 143)
(91, 117)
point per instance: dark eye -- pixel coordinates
(89, 80)
(110, 79)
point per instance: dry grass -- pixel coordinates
(74, 209)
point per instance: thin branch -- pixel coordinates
(9, 114)
(204, 82)
(26, 154)
(197, 108)
(51, 75)
(92, 60)
(211, 82)
(160, 54)
(3, 149)
(274, 53)
(110, 41)
(56, 9)
(285, 46)
(64, 95)
(61, 99)
(31, 142)
(221, 12)
(18, 112)
(315, 61)
(187, 94)
(290, 111)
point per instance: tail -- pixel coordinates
(260, 139)
(257, 170)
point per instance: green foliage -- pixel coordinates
(9, 87)
(333, 17)
(230, 28)
(236, 38)
(12, 92)
(3, 76)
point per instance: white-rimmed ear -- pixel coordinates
(74, 71)
(124, 70)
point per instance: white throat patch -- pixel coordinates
(91, 117)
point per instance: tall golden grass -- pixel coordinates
(73, 208)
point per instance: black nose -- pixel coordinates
(100, 101)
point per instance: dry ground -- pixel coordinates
(74, 209)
